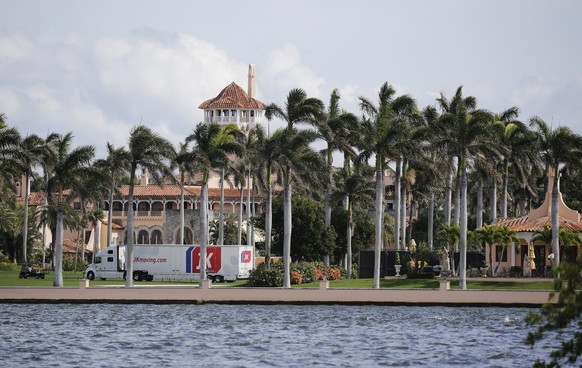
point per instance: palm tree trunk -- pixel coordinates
(555, 219)
(403, 207)
(221, 215)
(248, 211)
(83, 244)
(379, 221)
(431, 219)
(287, 222)
(397, 178)
(349, 240)
(58, 281)
(25, 225)
(253, 212)
(240, 215)
(456, 209)
(504, 191)
(129, 246)
(463, 226)
(492, 272)
(493, 214)
(182, 220)
(480, 204)
(203, 229)
(109, 219)
(268, 219)
(448, 196)
(328, 194)
(96, 236)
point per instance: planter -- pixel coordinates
(397, 268)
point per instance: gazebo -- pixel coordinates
(529, 255)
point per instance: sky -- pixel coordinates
(98, 68)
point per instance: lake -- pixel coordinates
(219, 335)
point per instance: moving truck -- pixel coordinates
(177, 262)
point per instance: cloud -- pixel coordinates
(100, 89)
(285, 71)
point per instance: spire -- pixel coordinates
(251, 89)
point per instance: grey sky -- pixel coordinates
(97, 68)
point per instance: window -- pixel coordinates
(97, 259)
(109, 251)
(499, 252)
(77, 206)
(109, 259)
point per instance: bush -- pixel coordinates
(267, 277)
(9, 266)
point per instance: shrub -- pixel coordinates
(296, 278)
(267, 277)
(9, 266)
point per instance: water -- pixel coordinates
(112, 335)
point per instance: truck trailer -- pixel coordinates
(173, 262)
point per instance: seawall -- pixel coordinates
(206, 293)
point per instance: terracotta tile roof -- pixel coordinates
(524, 224)
(232, 97)
(174, 191)
(37, 198)
(70, 246)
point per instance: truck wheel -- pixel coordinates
(218, 278)
(91, 275)
(42, 277)
(136, 277)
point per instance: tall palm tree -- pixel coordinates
(113, 168)
(356, 188)
(560, 148)
(467, 133)
(185, 167)
(294, 145)
(153, 153)
(267, 150)
(69, 167)
(334, 128)
(30, 151)
(383, 130)
(212, 145)
(299, 165)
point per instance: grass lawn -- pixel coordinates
(71, 279)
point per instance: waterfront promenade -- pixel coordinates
(208, 293)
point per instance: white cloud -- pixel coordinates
(285, 71)
(14, 47)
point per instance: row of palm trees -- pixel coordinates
(432, 150)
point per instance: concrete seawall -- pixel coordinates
(206, 293)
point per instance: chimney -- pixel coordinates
(252, 89)
(144, 180)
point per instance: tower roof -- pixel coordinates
(232, 97)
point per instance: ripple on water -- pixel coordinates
(263, 336)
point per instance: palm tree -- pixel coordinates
(69, 167)
(383, 130)
(30, 151)
(356, 188)
(467, 134)
(506, 237)
(560, 148)
(450, 235)
(212, 145)
(153, 154)
(267, 151)
(113, 168)
(334, 128)
(490, 236)
(294, 146)
(300, 165)
(185, 167)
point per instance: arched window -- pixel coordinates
(156, 237)
(143, 237)
(188, 239)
